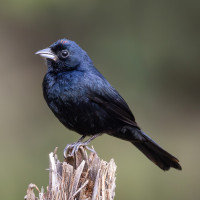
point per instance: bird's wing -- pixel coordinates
(110, 100)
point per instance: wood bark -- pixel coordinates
(78, 177)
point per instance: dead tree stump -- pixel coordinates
(79, 177)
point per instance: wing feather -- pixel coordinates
(114, 105)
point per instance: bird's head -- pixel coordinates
(64, 55)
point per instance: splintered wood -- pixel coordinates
(79, 177)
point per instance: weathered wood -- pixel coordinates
(79, 177)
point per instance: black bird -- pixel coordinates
(84, 101)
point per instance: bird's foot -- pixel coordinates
(72, 149)
(72, 146)
(69, 148)
(83, 144)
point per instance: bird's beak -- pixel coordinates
(47, 53)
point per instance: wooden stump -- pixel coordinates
(79, 177)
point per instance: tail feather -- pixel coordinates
(155, 153)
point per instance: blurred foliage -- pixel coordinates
(153, 49)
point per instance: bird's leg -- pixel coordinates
(80, 140)
(73, 145)
(91, 138)
(77, 145)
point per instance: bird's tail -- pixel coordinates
(151, 150)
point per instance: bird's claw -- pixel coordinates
(68, 148)
(75, 147)
(91, 149)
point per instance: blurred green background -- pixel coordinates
(148, 50)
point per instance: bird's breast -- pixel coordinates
(68, 100)
(61, 93)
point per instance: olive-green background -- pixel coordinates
(148, 50)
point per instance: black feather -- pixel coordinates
(84, 101)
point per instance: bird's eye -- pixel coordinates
(64, 53)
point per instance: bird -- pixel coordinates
(85, 102)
